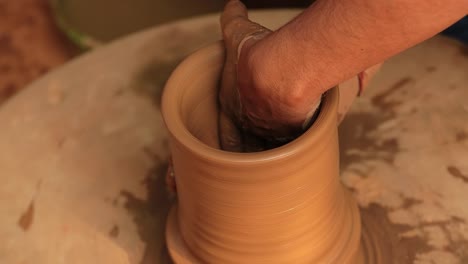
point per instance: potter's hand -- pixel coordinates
(253, 116)
(259, 111)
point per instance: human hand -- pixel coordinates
(254, 115)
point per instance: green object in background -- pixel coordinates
(89, 23)
(78, 38)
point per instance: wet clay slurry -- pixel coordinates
(285, 205)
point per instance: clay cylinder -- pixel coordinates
(285, 205)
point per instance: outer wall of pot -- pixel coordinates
(284, 205)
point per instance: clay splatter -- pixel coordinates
(356, 130)
(409, 202)
(119, 92)
(461, 136)
(26, 219)
(376, 221)
(155, 74)
(457, 173)
(431, 69)
(150, 214)
(390, 145)
(114, 232)
(355, 133)
(381, 101)
(153, 77)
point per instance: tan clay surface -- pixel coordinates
(87, 150)
(404, 151)
(284, 205)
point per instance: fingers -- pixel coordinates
(236, 26)
(232, 10)
(234, 140)
(234, 22)
(229, 135)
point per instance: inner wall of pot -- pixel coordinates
(199, 108)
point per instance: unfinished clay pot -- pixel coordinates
(285, 205)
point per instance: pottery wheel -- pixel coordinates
(84, 152)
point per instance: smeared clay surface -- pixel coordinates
(404, 149)
(92, 136)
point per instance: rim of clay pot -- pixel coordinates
(214, 54)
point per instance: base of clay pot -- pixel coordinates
(178, 251)
(374, 244)
(370, 251)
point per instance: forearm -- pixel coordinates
(335, 39)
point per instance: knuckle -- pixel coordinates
(233, 26)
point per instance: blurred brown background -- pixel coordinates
(31, 44)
